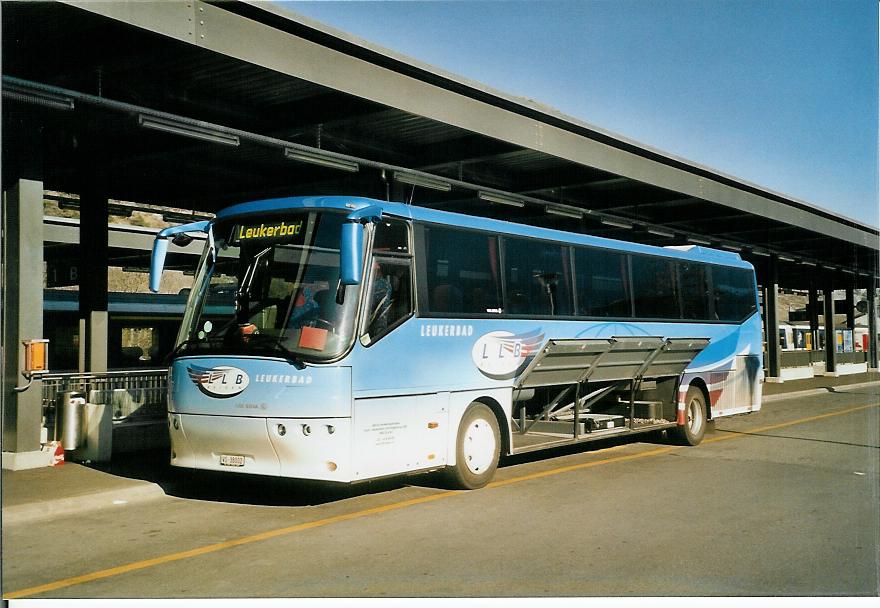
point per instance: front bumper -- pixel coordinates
(303, 448)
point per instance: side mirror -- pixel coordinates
(351, 253)
(157, 263)
(160, 247)
(351, 247)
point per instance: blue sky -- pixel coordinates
(782, 93)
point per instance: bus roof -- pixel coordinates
(423, 214)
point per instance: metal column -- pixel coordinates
(872, 324)
(771, 319)
(813, 311)
(93, 277)
(851, 311)
(830, 336)
(22, 314)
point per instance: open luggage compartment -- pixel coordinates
(582, 389)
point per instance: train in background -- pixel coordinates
(141, 332)
(799, 337)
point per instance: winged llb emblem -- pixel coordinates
(202, 375)
(222, 381)
(501, 354)
(522, 344)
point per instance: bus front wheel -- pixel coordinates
(691, 433)
(477, 449)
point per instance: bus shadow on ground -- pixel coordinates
(217, 486)
(657, 438)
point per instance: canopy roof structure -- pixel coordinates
(200, 105)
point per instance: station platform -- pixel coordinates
(818, 383)
(30, 496)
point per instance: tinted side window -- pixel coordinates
(693, 280)
(462, 272)
(602, 283)
(390, 296)
(654, 288)
(391, 237)
(538, 278)
(733, 293)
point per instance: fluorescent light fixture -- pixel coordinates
(829, 267)
(423, 181)
(668, 235)
(765, 254)
(501, 199)
(564, 211)
(736, 248)
(615, 223)
(167, 125)
(806, 263)
(321, 158)
(848, 271)
(785, 258)
(35, 96)
(697, 241)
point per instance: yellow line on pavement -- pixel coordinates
(771, 427)
(244, 540)
(666, 450)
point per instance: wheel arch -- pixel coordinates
(700, 383)
(503, 423)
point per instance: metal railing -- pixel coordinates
(803, 358)
(134, 395)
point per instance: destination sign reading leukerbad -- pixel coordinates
(287, 231)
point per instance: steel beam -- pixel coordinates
(830, 336)
(813, 313)
(93, 282)
(872, 325)
(771, 318)
(850, 308)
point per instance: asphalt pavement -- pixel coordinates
(71, 488)
(779, 503)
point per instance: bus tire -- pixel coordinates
(477, 449)
(692, 431)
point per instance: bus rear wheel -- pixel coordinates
(691, 433)
(477, 449)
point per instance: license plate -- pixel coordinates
(230, 460)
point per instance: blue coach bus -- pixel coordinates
(345, 339)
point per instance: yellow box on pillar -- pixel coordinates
(36, 356)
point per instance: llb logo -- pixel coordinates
(501, 354)
(222, 381)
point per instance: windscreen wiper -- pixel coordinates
(273, 346)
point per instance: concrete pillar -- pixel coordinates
(22, 319)
(771, 320)
(872, 325)
(93, 239)
(830, 338)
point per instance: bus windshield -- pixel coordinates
(268, 287)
